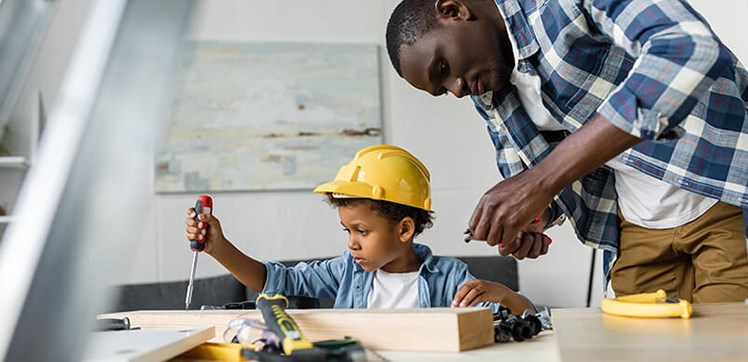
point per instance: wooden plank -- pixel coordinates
(714, 332)
(144, 345)
(426, 329)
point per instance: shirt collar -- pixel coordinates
(520, 32)
(523, 44)
(423, 252)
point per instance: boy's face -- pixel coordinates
(374, 241)
(459, 56)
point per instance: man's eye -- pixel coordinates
(443, 68)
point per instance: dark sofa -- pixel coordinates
(220, 290)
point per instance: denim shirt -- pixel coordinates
(345, 282)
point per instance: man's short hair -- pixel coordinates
(389, 210)
(410, 20)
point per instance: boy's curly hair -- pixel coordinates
(389, 210)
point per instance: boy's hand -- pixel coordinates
(205, 226)
(477, 291)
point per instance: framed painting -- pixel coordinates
(268, 116)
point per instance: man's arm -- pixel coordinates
(678, 58)
(510, 205)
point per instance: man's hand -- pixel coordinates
(526, 245)
(507, 209)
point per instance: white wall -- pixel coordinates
(446, 133)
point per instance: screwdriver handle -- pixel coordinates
(273, 309)
(204, 205)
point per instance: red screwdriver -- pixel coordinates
(204, 205)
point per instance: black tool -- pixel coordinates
(508, 326)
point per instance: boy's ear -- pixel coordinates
(452, 10)
(406, 229)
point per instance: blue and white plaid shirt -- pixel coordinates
(654, 69)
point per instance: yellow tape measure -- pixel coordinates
(647, 305)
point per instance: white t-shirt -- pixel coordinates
(643, 200)
(393, 290)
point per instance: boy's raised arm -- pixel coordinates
(248, 271)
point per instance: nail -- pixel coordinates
(501, 245)
(550, 241)
(536, 220)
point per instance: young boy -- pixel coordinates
(383, 199)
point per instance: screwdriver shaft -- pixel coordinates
(188, 297)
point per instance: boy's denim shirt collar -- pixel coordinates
(423, 253)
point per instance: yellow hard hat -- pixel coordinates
(383, 172)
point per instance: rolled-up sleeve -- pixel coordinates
(678, 58)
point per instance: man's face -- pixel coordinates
(463, 58)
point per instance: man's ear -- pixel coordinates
(452, 10)
(406, 229)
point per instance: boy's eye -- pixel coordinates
(363, 232)
(346, 230)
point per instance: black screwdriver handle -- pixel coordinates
(204, 205)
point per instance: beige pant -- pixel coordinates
(702, 261)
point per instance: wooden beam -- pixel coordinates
(425, 329)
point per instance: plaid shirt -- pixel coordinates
(652, 68)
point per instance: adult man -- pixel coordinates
(655, 166)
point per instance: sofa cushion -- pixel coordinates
(501, 269)
(170, 295)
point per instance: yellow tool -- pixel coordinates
(215, 351)
(647, 305)
(273, 310)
